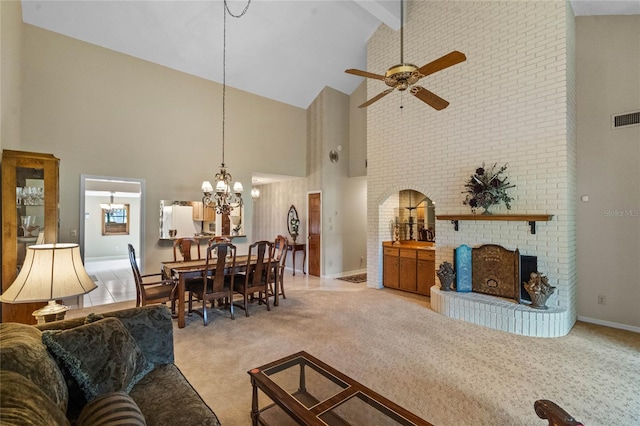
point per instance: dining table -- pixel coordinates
(185, 270)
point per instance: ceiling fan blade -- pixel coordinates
(443, 62)
(429, 97)
(365, 74)
(376, 98)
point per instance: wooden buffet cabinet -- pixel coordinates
(409, 266)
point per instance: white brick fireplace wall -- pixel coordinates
(512, 102)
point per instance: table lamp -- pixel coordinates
(50, 272)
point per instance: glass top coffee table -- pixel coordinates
(306, 391)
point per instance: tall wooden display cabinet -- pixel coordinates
(30, 197)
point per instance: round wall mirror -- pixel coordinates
(293, 223)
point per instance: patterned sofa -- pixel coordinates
(114, 368)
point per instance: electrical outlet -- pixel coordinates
(602, 300)
(73, 233)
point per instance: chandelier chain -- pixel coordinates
(224, 62)
(226, 6)
(221, 197)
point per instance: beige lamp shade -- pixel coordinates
(49, 272)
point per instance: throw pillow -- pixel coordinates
(24, 403)
(101, 356)
(22, 351)
(110, 409)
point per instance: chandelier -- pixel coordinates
(111, 206)
(223, 199)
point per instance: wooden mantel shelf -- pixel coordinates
(530, 218)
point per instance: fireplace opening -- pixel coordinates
(528, 264)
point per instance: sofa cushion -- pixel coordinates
(101, 356)
(165, 397)
(115, 408)
(25, 403)
(23, 352)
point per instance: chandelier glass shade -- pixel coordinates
(223, 199)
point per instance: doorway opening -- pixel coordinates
(108, 204)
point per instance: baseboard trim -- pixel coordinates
(610, 324)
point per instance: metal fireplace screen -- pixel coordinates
(496, 271)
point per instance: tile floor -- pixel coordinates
(115, 282)
(114, 279)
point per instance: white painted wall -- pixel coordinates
(511, 102)
(358, 132)
(108, 114)
(608, 62)
(343, 198)
(10, 72)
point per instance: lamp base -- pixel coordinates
(51, 312)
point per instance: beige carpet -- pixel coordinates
(446, 371)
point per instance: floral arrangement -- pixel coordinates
(487, 187)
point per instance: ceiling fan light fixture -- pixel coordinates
(404, 75)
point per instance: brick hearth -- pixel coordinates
(500, 314)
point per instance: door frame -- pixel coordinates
(321, 232)
(81, 230)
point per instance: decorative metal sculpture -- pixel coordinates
(446, 275)
(539, 289)
(396, 235)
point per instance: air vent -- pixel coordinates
(625, 120)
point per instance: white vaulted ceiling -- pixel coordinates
(286, 50)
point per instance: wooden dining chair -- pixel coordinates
(219, 239)
(215, 284)
(183, 246)
(151, 288)
(276, 276)
(255, 278)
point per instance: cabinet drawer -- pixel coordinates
(411, 254)
(426, 255)
(390, 251)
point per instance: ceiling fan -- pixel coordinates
(404, 75)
